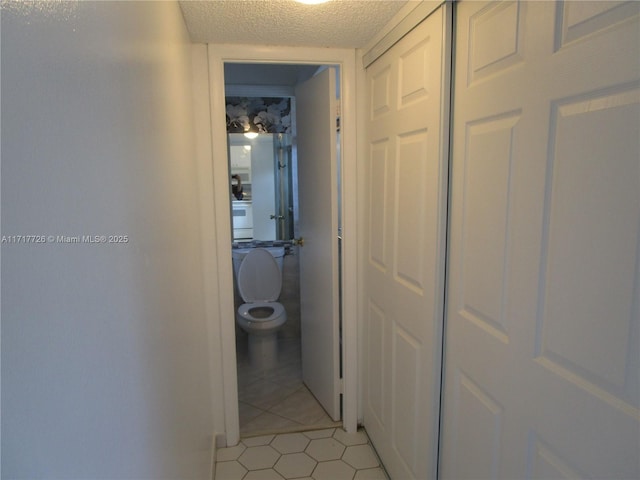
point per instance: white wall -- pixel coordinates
(105, 371)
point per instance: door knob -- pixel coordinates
(299, 241)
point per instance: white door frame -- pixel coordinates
(345, 58)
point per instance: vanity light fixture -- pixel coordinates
(252, 132)
(311, 2)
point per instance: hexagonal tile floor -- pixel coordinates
(328, 454)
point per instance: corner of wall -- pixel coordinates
(218, 440)
(208, 232)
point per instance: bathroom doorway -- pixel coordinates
(300, 388)
(218, 56)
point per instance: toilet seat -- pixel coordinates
(259, 277)
(277, 317)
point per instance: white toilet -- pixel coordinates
(259, 281)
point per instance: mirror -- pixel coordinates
(262, 186)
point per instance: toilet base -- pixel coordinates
(263, 350)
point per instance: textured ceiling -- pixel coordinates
(337, 23)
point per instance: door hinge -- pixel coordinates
(341, 385)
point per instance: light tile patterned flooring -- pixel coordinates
(285, 432)
(275, 400)
(327, 454)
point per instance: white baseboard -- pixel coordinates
(218, 441)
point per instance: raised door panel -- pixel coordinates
(378, 204)
(593, 190)
(477, 430)
(487, 181)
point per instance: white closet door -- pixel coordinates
(406, 179)
(542, 354)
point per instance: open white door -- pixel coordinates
(318, 225)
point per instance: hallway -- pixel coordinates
(490, 214)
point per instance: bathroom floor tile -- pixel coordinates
(300, 407)
(276, 395)
(268, 422)
(264, 394)
(248, 412)
(287, 375)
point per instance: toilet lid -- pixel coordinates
(259, 277)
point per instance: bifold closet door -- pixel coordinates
(406, 179)
(542, 337)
